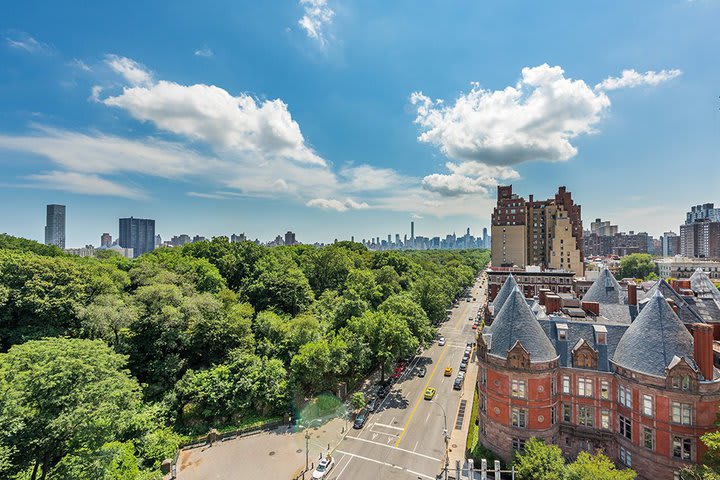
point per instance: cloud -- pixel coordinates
(631, 79)
(83, 183)
(317, 16)
(95, 92)
(338, 205)
(80, 65)
(25, 42)
(263, 129)
(210, 196)
(366, 178)
(453, 184)
(204, 52)
(533, 120)
(536, 119)
(133, 72)
(102, 154)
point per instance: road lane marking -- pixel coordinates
(388, 465)
(387, 426)
(396, 448)
(420, 398)
(343, 469)
(416, 445)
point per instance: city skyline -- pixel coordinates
(303, 136)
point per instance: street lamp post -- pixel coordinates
(447, 439)
(307, 442)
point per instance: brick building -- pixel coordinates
(547, 233)
(530, 280)
(628, 373)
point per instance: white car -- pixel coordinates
(441, 341)
(325, 465)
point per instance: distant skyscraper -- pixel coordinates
(55, 226)
(106, 240)
(485, 238)
(158, 240)
(289, 238)
(237, 238)
(412, 231)
(138, 234)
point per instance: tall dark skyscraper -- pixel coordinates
(138, 234)
(55, 226)
(412, 231)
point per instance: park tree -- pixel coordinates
(637, 265)
(280, 286)
(327, 268)
(106, 316)
(597, 467)
(540, 461)
(417, 320)
(215, 330)
(358, 400)
(63, 397)
(431, 293)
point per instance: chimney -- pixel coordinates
(552, 303)
(672, 304)
(543, 295)
(683, 284)
(591, 307)
(703, 348)
(632, 293)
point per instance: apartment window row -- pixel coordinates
(585, 387)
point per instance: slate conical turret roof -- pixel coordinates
(652, 341)
(505, 291)
(703, 286)
(516, 323)
(605, 289)
(686, 313)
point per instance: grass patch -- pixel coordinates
(474, 449)
(248, 422)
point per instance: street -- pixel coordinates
(404, 438)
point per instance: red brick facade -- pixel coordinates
(641, 421)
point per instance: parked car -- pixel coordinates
(324, 467)
(466, 357)
(468, 349)
(372, 404)
(457, 385)
(461, 374)
(422, 371)
(448, 371)
(474, 326)
(429, 393)
(383, 391)
(361, 418)
(441, 341)
(463, 366)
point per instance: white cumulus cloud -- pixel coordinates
(133, 72)
(338, 205)
(533, 120)
(631, 78)
(204, 52)
(261, 128)
(317, 15)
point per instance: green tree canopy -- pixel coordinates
(597, 467)
(63, 397)
(637, 265)
(540, 461)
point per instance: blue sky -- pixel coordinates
(346, 117)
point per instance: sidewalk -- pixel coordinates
(279, 453)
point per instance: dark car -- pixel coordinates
(458, 383)
(463, 366)
(383, 391)
(422, 371)
(361, 418)
(372, 404)
(466, 357)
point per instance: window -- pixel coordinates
(566, 384)
(483, 376)
(681, 382)
(604, 389)
(518, 444)
(585, 387)
(648, 438)
(605, 419)
(682, 448)
(553, 386)
(648, 408)
(482, 403)
(625, 396)
(518, 388)
(625, 457)
(567, 413)
(519, 417)
(625, 427)
(553, 415)
(585, 416)
(681, 413)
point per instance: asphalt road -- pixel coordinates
(404, 437)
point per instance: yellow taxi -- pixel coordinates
(429, 393)
(448, 371)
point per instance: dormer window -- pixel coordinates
(600, 334)
(562, 330)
